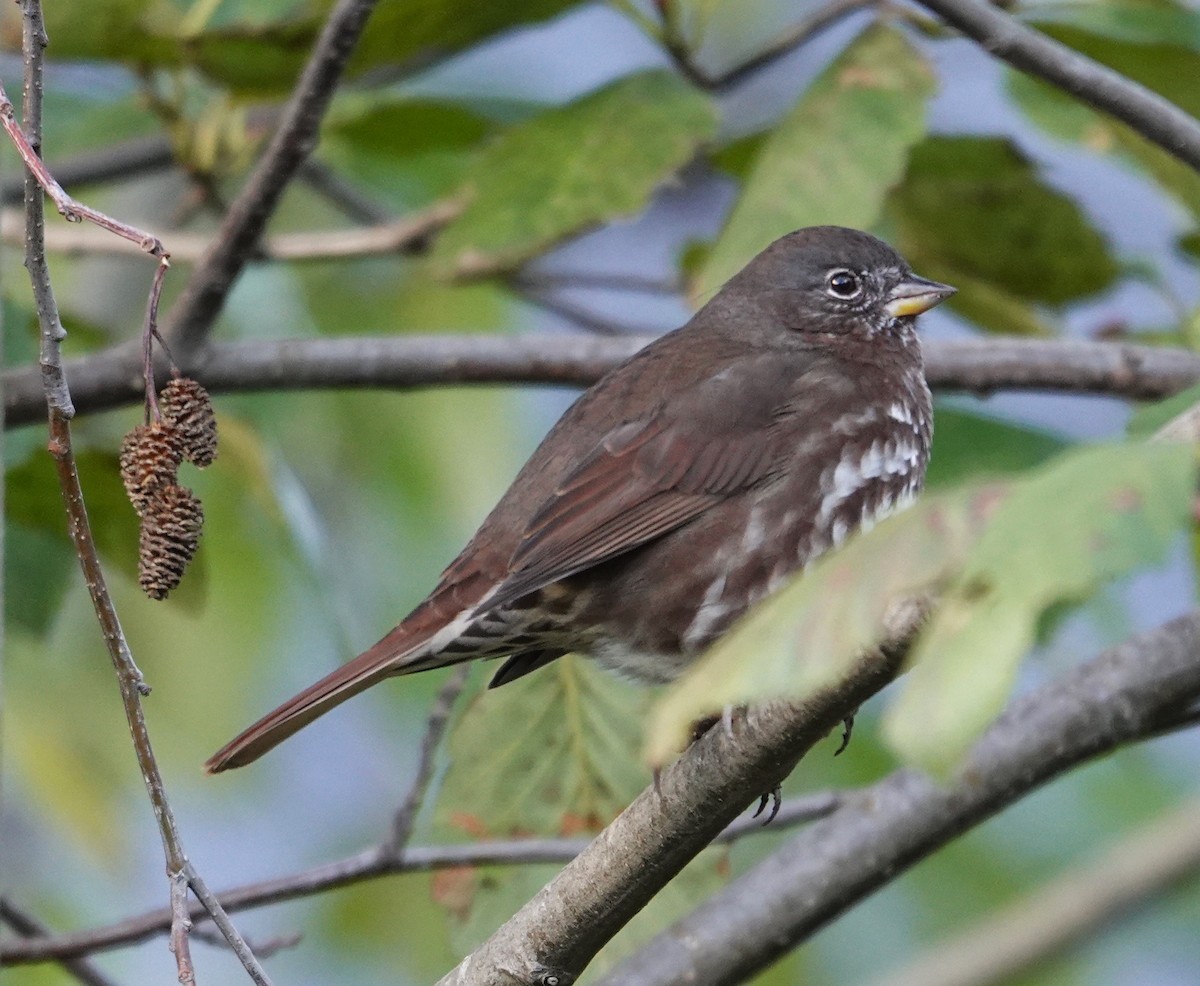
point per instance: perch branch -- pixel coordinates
(113, 378)
(1122, 695)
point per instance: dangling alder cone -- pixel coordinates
(171, 526)
(150, 457)
(186, 407)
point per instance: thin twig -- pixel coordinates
(69, 208)
(61, 410)
(819, 21)
(578, 315)
(264, 948)
(202, 297)
(598, 280)
(435, 727)
(355, 204)
(371, 864)
(403, 236)
(1142, 866)
(27, 926)
(111, 378)
(1003, 36)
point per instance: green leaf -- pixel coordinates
(969, 445)
(254, 59)
(1148, 418)
(806, 634)
(408, 150)
(1156, 44)
(1061, 116)
(572, 167)
(1136, 21)
(1058, 536)
(972, 212)
(554, 753)
(412, 31)
(834, 157)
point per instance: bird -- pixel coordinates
(685, 485)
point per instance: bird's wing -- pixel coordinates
(644, 479)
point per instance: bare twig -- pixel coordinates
(578, 315)
(58, 401)
(264, 948)
(112, 378)
(371, 864)
(1002, 35)
(1118, 697)
(1142, 866)
(405, 235)
(29, 927)
(69, 208)
(439, 718)
(205, 292)
(354, 203)
(814, 24)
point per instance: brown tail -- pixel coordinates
(397, 653)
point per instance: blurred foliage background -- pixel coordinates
(604, 165)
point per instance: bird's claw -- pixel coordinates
(775, 796)
(847, 730)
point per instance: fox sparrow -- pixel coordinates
(686, 484)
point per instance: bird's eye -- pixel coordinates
(844, 284)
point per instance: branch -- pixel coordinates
(814, 24)
(1118, 697)
(243, 226)
(1149, 862)
(29, 927)
(1155, 118)
(61, 410)
(371, 864)
(112, 378)
(439, 718)
(123, 161)
(557, 933)
(397, 236)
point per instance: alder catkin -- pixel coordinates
(150, 456)
(171, 527)
(185, 405)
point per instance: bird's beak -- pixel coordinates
(916, 294)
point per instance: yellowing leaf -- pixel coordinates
(1064, 531)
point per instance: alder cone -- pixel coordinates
(149, 459)
(171, 527)
(185, 406)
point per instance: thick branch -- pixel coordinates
(556, 934)
(210, 283)
(1122, 695)
(113, 378)
(1000, 34)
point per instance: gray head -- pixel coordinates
(829, 280)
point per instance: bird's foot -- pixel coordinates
(775, 797)
(847, 730)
